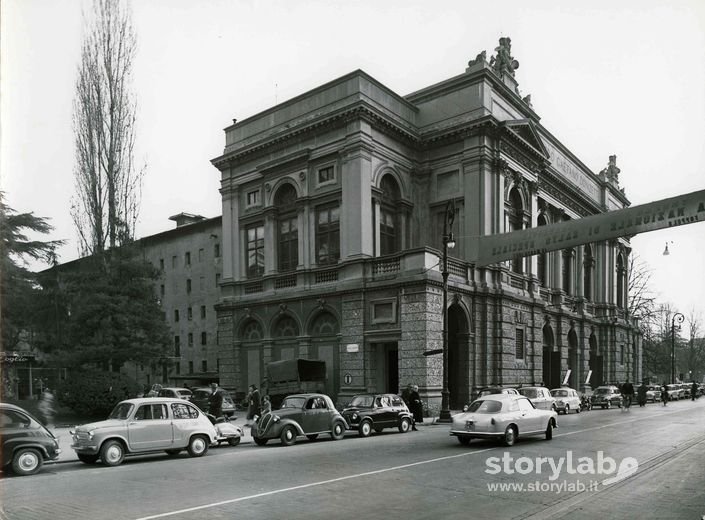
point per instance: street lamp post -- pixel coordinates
(677, 317)
(448, 243)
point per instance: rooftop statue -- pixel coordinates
(611, 173)
(504, 62)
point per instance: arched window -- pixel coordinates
(588, 269)
(251, 331)
(389, 222)
(285, 327)
(620, 281)
(287, 226)
(542, 260)
(325, 324)
(516, 223)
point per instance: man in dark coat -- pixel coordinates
(693, 391)
(215, 401)
(416, 405)
(253, 403)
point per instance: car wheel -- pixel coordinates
(87, 459)
(404, 425)
(112, 453)
(259, 441)
(567, 409)
(464, 440)
(338, 431)
(365, 429)
(312, 437)
(288, 435)
(198, 446)
(549, 431)
(510, 435)
(173, 453)
(234, 441)
(27, 461)
(577, 410)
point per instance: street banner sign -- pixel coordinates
(567, 376)
(587, 379)
(666, 213)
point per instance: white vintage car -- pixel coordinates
(567, 399)
(145, 425)
(504, 417)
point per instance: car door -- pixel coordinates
(150, 428)
(530, 417)
(185, 421)
(315, 415)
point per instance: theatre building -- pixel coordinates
(334, 207)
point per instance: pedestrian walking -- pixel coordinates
(215, 401)
(253, 403)
(664, 393)
(416, 405)
(46, 407)
(641, 394)
(693, 391)
(628, 393)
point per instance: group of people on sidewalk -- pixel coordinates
(255, 406)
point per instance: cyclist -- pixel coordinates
(628, 394)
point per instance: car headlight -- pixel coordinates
(276, 418)
(354, 417)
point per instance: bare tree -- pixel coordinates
(693, 360)
(106, 204)
(641, 302)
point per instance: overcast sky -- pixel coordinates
(606, 77)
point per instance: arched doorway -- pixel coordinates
(458, 358)
(551, 359)
(573, 363)
(596, 362)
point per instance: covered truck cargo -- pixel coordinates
(292, 376)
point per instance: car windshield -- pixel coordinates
(293, 402)
(121, 411)
(528, 392)
(362, 401)
(488, 406)
(559, 393)
(602, 391)
(185, 393)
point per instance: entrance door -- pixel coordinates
(386, 367)
(392, 369)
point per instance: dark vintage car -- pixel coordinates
(25, 443)
(368, 412)
(606, 397)
(300, 414)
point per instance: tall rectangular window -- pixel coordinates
(189, 313)
(187, 258)
(161, 264)
(203, 312)
(253, 198)
(177, 343)
(176, 314)
(178, 368)
(173, 262)
(188, 285)
(520, 344)
(201, 254)
(288, 243)
(217, 279)
(326, 174)
(255, 251)
(162, 290)
(327, 234)
(190, 339)
(216, 250)
(204, 338)
(388, 231)
(204, 365)
(190, 367)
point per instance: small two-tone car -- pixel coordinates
(307, 415)
(540, 396)
(144, 425)
(375, 412)
(567, 399)
(504, 417)
(25, 444)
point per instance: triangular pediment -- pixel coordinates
(525, 129)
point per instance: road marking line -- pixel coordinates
(314, 484)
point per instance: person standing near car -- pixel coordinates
(641, 394)
(693, 391)
(215, 401)
(416, 405)
(628, 392)
(253, 403)
(664, 393)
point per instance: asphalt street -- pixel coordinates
(658, 454)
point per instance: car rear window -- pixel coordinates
(528, 392)
(560, 393)
(488, 406)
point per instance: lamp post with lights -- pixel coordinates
(448, 243)
(677, 317)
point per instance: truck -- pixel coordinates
(293, 376)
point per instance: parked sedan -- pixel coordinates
(300, 414)
(567, 399)
(674, 392)
(607, 397)
(503, 417)
(176, 393)
(653, 393)
(144, 425)
(540, 396)
(26, 444)
(200, 398)
(367, 412)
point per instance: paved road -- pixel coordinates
(412, 476)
